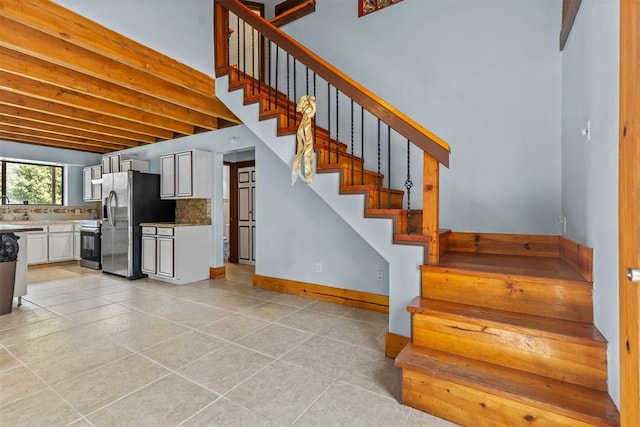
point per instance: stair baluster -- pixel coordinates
(407, 185)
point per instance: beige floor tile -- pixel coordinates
(294, 300)
(356, 332)
(233, 302)
(80, 423)
(57, 299)
(259, 293)
(166, 402)
(234, 327)
(34, 330)
(376, 373)
(225, 368)
(79, 305)
(187, 313)
(7, 361)
(109, 382)
(44, 409)
(327, 356)
(177, 352)
(127, 321)
(347, 405)
(21, 316)
(329, 308)
(312, 321)
(280, 392)
(368, 316)
(274, 340)
(226, 413)
(70, 362)
(98, 313)
(270, 311)
(18, 383)
(140, 338)
(128, 295)
(422, 419)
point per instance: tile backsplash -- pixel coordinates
(193, 211)
(48, 212)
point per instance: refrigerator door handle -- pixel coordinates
(112, 208)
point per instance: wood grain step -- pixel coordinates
(475, 393)
(569, 351)
(372, 195)
(347, 178)
(530, 285)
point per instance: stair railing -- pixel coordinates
(279, 70)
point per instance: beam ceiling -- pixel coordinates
(68, 82)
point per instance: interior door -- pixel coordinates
(246, 215)
(629, 213)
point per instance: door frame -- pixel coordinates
(629, 211)
(233, 206)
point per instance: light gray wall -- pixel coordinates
(590, 91)
(73, 162)
(483, 75)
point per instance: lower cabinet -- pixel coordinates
(37, 247)
(76, 242)
(55, 243)
(176, 254)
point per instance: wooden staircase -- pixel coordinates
(502, 334)
(507, 340)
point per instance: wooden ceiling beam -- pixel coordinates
(17, 132)
(24, 65)
(23, 139)
(57, 21)
(22, 38)
(41, 90)
(73, 124)
(80, 115)
(63, 131)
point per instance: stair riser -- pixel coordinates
(554, 299)
(583, 364)
(356, 179)
(465, 405)
(396, 200)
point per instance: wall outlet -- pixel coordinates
(379, 275)
(318, 267)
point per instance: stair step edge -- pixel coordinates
(564, 330)
(507, 276)
(588, 405)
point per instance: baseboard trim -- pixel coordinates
(348, 297)
(217, 272)
(394, 343)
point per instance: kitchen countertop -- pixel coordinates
(171, 224)
(9, 228)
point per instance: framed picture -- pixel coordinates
(369, 6)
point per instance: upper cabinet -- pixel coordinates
(186, 174)
(122, 163)
(91, 191)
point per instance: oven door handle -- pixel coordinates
(112, 203)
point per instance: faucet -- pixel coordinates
(4, 200)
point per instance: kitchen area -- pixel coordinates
(135, 224)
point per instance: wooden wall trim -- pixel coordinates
(217, 272)
(348, 297)
(578, 256)
(394, 343)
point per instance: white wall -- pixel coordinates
(73, 162)
(483, 75)
(590, 91)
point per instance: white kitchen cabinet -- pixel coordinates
(37, 247)
(134, 165)
(90, 191)
(76, 242)
(176, 254)
(186, 174)
(111, 164)
(60, 246)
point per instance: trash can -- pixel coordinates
(8, 258)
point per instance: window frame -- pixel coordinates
(3, 180)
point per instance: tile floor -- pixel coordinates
(93, 349)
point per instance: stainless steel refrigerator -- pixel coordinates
(129, 198)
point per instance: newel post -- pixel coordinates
(431, 206)
(221, 38)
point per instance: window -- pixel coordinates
(36, 184)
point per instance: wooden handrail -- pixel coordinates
(294, 13)
(413, 131)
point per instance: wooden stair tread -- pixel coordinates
(585, 404)
(509, 265)
(372, 188)
(564, 330)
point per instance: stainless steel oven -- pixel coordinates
(90, 244)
